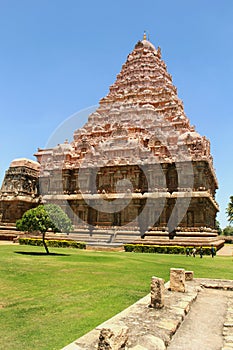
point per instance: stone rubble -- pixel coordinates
(113, 339)
(157, 293)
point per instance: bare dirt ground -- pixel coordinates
(227, 250)
(7, 243)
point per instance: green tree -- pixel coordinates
(229, 210)
(218, 228)
(42, 218)
(228, 231)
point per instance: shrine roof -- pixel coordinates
(24, 162)
(147, 43)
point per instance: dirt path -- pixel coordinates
(226, 250)
(202, 328)
(7, 242)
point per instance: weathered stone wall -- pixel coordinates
(20, 190)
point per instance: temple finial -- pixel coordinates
(144, 35)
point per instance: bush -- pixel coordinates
(228, 239)
(141, 248)
(56, 243)
(228, 231)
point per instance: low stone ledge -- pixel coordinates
(144, 324)
(149, 328)
(149, 342)
(214, 286)
(228, 325)
(215, 283)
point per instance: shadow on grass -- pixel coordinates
(41, 253)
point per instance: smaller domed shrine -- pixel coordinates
(20, 189)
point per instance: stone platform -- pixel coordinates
(150, 329)
(217, 241)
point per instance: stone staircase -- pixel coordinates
(103, 237)
(115, 237)
(8, 232)
(183, 240)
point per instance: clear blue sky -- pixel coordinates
(59, 57)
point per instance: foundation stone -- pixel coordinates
(150, 342)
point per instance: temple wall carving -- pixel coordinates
(169, 177)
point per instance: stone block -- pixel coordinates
(177, 280)
(189, 275)
(150, 342)
(113, 338)
(157, 292)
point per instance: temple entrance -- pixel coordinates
(190, 218)
(172, 179)
(116, 219)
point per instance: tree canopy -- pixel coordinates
(229, 210)
(218, 228)
(228, 231)
(44, 217)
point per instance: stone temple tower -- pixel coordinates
(137, 170)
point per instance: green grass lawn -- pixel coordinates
(47, 301)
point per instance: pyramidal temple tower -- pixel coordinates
(137, 171)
